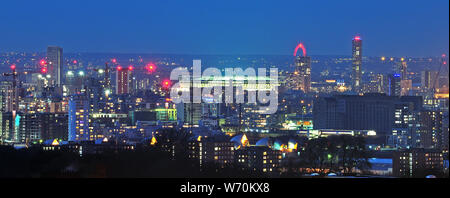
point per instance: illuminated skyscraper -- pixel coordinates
(79, 118)
(6, 96)
(123, 80)
(403, 66)
(427, 79)
(394, 84)
(6, 127)
(357, 62)
(55, 61)
(106, 80)
(431, 129)
(378, 84)
(29, 128)
(401, 69)
(302, 73)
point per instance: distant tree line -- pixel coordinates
(334, 154)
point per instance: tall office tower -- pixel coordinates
(442, 78)
(406, 87)
(427, 79)
(106, 80)
(394, 85)
(7, 94)
(445, 130)
(404, 69)
(72, 83)
(302, 73)
(401, 69)
(79, 118)
(377, 84)
(95, 96)
(431, 129)
(6, 127)
(405, 128)
(12, 99)
(124, 80)
(189, 113)
(2, 101)
(106, 93)
(303, 70)
(357, 62)
(55, 61)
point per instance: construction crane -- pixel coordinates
(443, 64)
(433, 90)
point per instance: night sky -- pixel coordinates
(387, 27)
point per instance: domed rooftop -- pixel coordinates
(263, 142)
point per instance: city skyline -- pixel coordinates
(151, 27)
(152, 96)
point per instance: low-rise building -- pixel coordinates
(417, 162)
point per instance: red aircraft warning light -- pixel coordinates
(130, 68)
(357, 38)
(13, 67)
(151, 67)
(119, 68)
(43, 62)
(114, 60)
(166, 83)
(44, 70)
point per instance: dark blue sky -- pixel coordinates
(387, 27)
